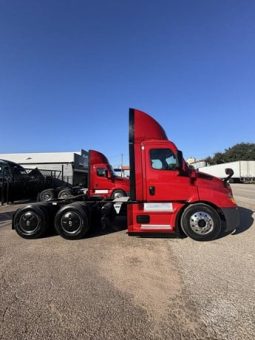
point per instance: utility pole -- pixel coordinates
(121, 165)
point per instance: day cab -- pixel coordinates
(167, 196)
(102, 182)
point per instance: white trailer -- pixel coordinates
(244, 171)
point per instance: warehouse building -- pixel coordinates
(71, 167)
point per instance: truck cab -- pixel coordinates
(102, 182)
(168, 195)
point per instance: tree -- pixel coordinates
(238, 152)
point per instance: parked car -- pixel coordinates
(17, 183)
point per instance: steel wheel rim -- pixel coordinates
(201, 223)
(47, 197)
(117, 195)
(29, 222)
(71, 222)
(65, 195)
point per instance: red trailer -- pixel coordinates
(166, 196)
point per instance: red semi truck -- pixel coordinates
(102, 182)
(166, 196)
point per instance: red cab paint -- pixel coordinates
(102, 182)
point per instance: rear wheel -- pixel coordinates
(65, 193)
(47, 195)
(71, 222)
(31, 222)
(201, 222)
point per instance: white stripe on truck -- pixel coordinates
(156, 226)
(101, 191)
(161, 207)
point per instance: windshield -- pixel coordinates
(18, 170)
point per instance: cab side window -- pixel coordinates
(163, 159)
(101, 172)
(18, 171)
(4, 171)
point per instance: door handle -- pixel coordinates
(152, 190)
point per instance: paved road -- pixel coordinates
(246, 191)
(245, 194)
(119, 287)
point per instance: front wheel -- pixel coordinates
(118, 193)
(201, 222)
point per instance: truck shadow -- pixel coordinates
(6, 217)
(246, 220)
(96, 232)
(7, 211)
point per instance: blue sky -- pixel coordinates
(70, 70)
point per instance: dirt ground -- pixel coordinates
(112, 286)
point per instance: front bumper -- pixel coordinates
(232, 218)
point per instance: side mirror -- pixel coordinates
(179, 160)
(230, 173)
(193, 174)
(108, 174)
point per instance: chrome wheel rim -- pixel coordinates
(201, 223)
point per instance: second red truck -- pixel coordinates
(102, 182)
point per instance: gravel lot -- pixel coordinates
(117, 287)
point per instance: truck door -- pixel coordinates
(102, 180)
(162, 180)
(20, 186)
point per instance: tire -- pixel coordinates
(65, 193)
(118, 193)
(47, 195)
(71, 221)
(201, 222)
(31, 222)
